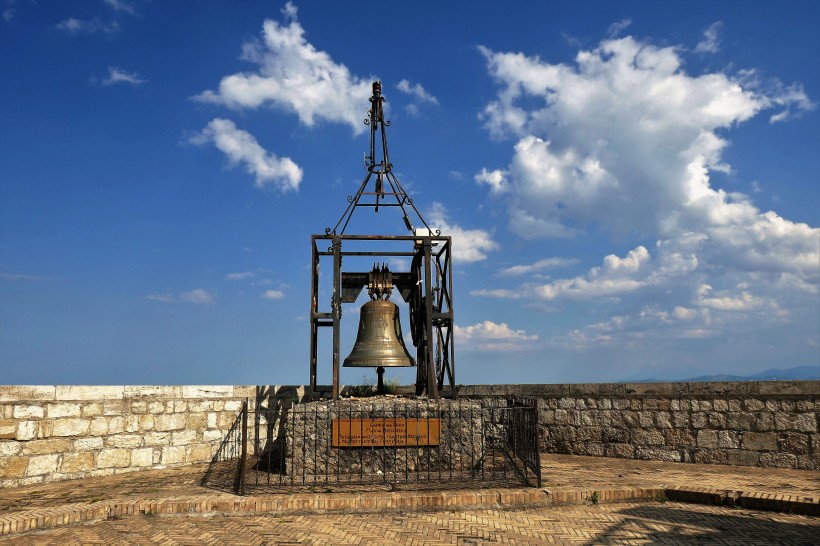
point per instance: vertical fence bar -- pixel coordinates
(244, 446)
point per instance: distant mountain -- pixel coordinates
(798, 373)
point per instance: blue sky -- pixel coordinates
(631, 187)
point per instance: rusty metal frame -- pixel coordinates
(431, 306)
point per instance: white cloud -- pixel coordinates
(489, 336)
(711, 40)
(118, 75)
(197, 296)
(624, 142)
(20, 277)
(469, 245)
(496, 180)
(616, 28)
(87, 26)
(540, 265)
(241, 147)
(416, 91)
(273, 294)
(292, 75)
(240, 276)
(121, 5)
(8, 14)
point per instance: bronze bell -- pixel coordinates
(379, 343)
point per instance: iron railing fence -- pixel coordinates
(392, 443)
(225, 470)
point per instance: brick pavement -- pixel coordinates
(618, 523)
(567, 479)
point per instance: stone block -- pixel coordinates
(124, 440)
(13, 467)
(197, 421)
(679, 437)
(183, 437)
(735, 405)
(650, 403)
(159, 391)
(9, 448)
(805, 406)
(635, 404)
(173, 421)
(698, 419)
(114, 408)
(83, 392)
(82, 444)
(92, 409)
(645, 419)
(760, 441)
(157, 438)
(630, 419)
(620, 403)
(99, 426)
(212, 435)
(146, 422)
(680, 419)
(741, 457)
(778, 460)
(116, 424)
(236, 405)
(180, 406)
(45, 428)
(65, 409)
(728, 439)
(707, 439)
(26, 430)
(156, 407)
(207, 391)
(142, 457)
(42, 447)
(655, 454)
(740, 421)
(622, 451)
(212, 420)
(642, 437)
(139, 406)
(132, 423)
(806, 422)
(720, 405)
(114, 458)
(605, 403)
(16, 393)
(709, 456)
(173, 455)
(198, 453)
(42, 464)
(589, 434)
(662, 420)
(787, 405)
(716, 420)
(70, 427)
(8, 429)
(615, 435)
(27, 411)
(794, 442)
(764, 422)
(753, 404)
(809, 462)
(74, 463)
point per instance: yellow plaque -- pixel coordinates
(386, 432)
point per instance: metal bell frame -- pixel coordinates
(427, 288)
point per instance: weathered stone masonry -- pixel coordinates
(765, 423)
(50, 433)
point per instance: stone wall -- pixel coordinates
(765, 423)
(50, 433)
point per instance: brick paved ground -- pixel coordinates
(58, 507)
(621, 523)
(560, 472)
